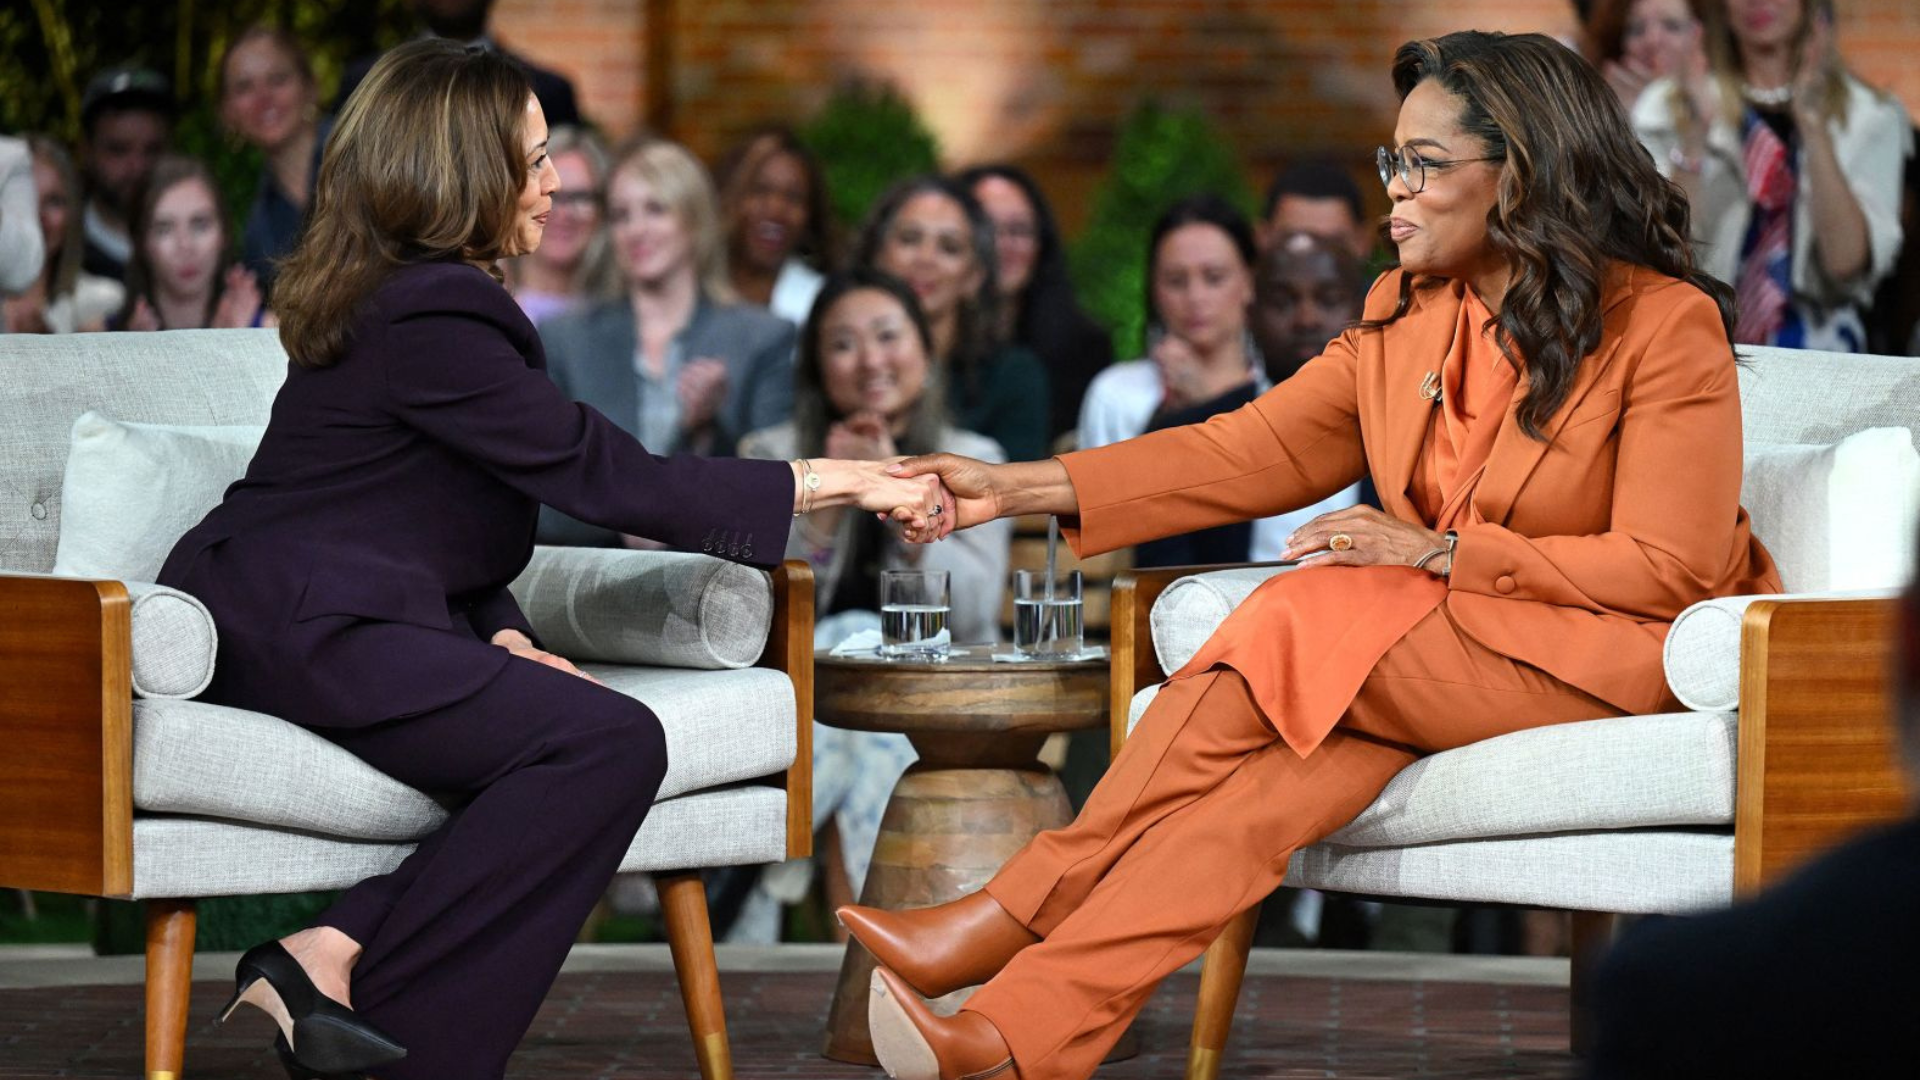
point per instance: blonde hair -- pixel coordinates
(681, 182)
(1723, 57)
(426, 164)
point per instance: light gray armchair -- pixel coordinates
(114, 783)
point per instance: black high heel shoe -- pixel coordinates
(321, 1035)
(297, 1071)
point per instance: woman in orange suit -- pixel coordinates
(1544, 393)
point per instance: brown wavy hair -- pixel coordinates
(426, 164)
(1577, 192)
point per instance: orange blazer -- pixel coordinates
(1594, 538)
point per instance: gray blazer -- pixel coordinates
(590, 356)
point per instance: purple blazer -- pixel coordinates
(357, 570)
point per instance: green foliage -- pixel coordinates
(868, 138)
(1162, 155)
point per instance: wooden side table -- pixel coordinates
(978, 793)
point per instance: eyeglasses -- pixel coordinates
(1412, 168)
(577, 200)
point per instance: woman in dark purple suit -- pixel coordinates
(358, 575)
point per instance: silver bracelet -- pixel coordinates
(1446, 548)
(809, 483)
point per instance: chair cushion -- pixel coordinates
(1702, 651)
(132, 490)
(658, 608)
(1642, 872)
(206, 760)
(1837, 516)
(198, 857)
(174, 642)
(1625, 772)
(1190, 608)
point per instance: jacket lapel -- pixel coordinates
(1515, 453)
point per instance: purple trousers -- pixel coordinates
(462, 940)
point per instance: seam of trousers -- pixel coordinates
(1158, 763)
(1562, 692)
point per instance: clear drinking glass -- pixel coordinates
(914, 605)
(1047, 622)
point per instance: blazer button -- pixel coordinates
(1504, 584)
(746, 551)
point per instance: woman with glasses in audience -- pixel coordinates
(773, 199)
(1545, 394)
(867, 389)
(1038, 308)
(1792, 166)
(574, 264)
(931, 233)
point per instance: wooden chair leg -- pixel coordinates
(683, 904)
(1592, 933)
(1220, 975)
(170, 927)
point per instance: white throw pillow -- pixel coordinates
(132, 490)
(1837, 517)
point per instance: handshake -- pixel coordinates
(932, 495)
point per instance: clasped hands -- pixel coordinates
(970, 492)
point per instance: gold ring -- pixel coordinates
(1339, 542)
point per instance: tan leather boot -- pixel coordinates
(940, 949)
(914, 1044)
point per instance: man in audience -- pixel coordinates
(1814, 977)
(466, 21)
(1318, 198)
(126, 122)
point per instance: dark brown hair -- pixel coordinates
(735, 176)
(170, 172)
(979, 318)
(813, 411)
(426, 164)
(1577, 192)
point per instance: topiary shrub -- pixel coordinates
(1160, 156)
(868, 138)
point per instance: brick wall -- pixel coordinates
(1045, 82)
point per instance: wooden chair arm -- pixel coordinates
(1818, 758)
(1134, 665)
(66, 721)
(790, 649)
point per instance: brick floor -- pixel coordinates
(629, 1026)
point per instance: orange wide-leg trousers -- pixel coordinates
(1195, 821)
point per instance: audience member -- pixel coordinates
(1792, 166)
(1200, 359)
(931, 233)
(182, 275)
(773, 198)
(1038, 308)
(574, 265)
(1321, 199)
(126, 123)
(465, 21)
(868, 389)
(64, 298)
(1634, 42)
(22, 247)
(269, 99)
(1814, 977)
(676, 361)
(1893, 323)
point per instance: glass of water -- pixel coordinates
(1047, 623)
(914, 605)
